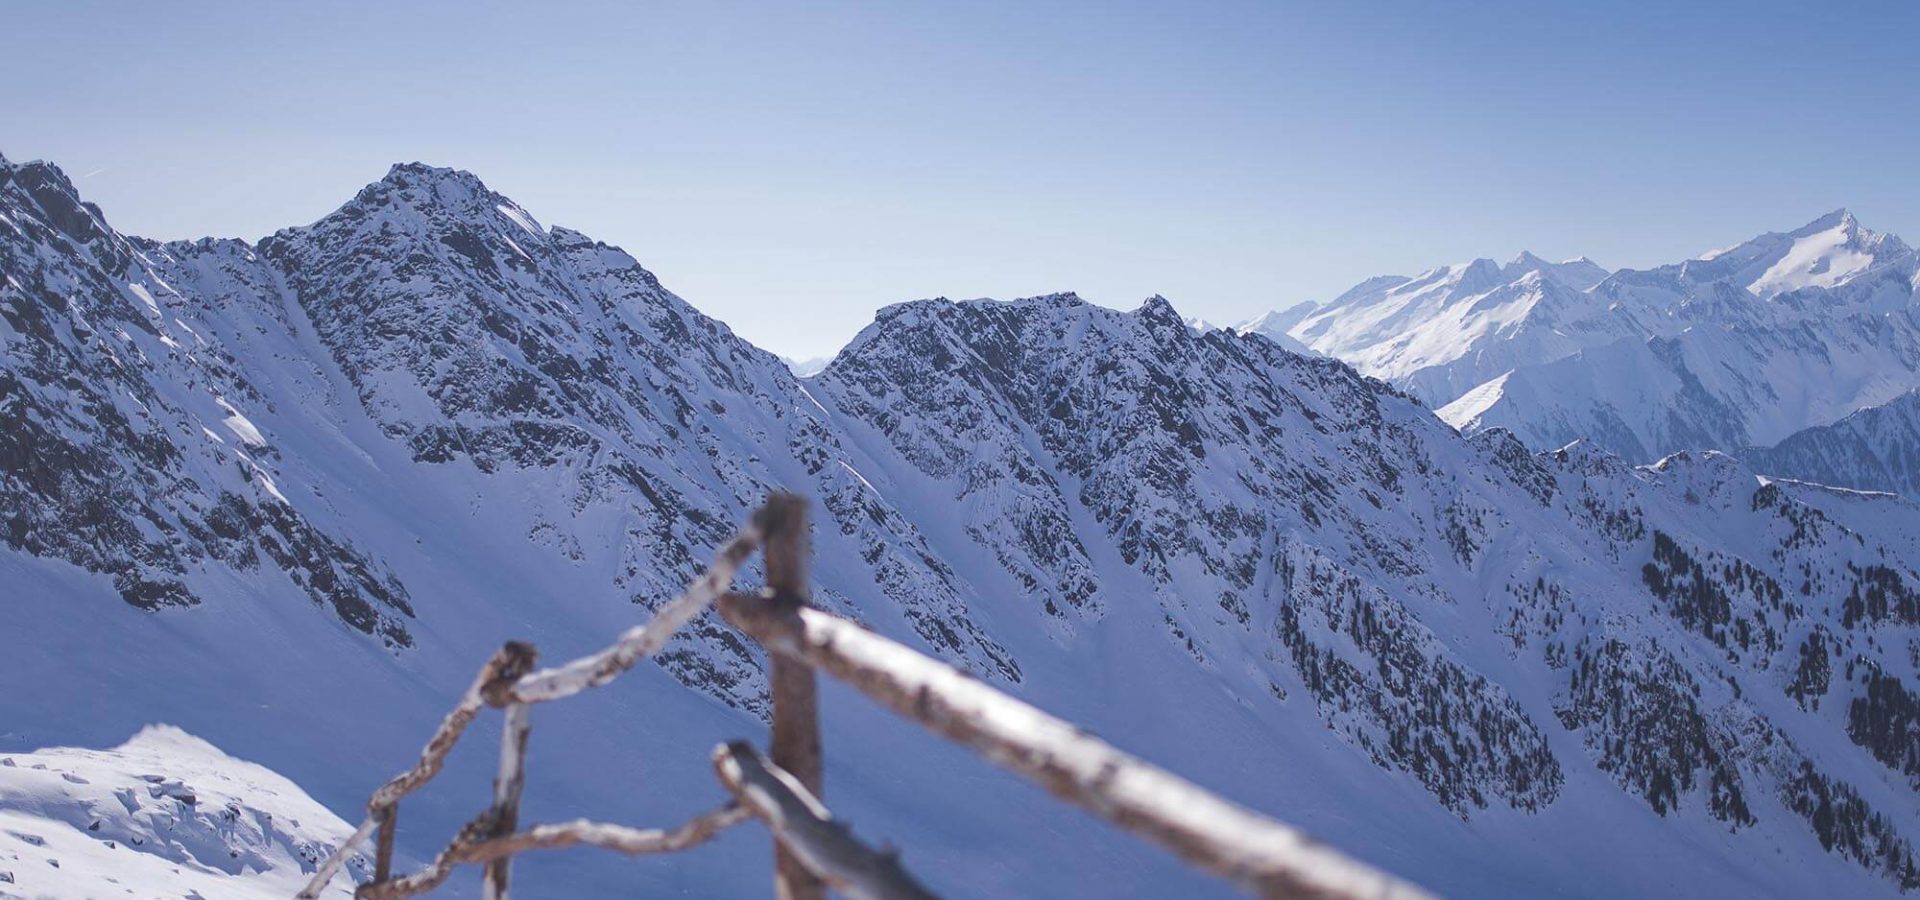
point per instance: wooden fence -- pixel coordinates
(813, 851)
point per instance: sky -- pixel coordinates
(791, 167)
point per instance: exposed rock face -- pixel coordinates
(124, 447)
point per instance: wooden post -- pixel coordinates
(506, 796)
(796, 704)
(383, 844)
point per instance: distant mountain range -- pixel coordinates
(288, 494)
(1876, 449)
(1739, 347)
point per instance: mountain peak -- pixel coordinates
(1481, 264)
(405, 174)
(56, 195)
(437, 198)
(1839, 218)
(420, 185)
(1278, 321)
(1474, 277)
(1579, 273)
(1158, 309)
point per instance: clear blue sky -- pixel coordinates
(790, 167)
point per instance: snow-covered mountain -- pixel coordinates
(163, 815)
(1275, 325)
(1738, 347)
(806, 368)
(289, 494)
(1453, 327)
(1875, 449)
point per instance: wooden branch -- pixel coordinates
(504, 679)
(642, 640)
(473, 846)
(511, 662)
(434, 873)
(620, 838)
(1261, 855)
(325, 871)
(507, 787)
(795, 693)
(800, 823)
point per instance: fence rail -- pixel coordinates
(812, 850)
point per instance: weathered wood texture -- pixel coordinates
(619, 838)
(507, 787)
(474, 846)
(383, 843)
(801, 824)
(1264, 856)
(506, 679)
(795, 692)
(510, 663)
(644, 640)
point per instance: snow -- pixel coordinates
(1473, 404)
(1824, 259)
(241, 426)
(1451, 328)
(164, 814)
(1744, 345)
(807, 368)
(140, 290)
(266, 482)
(856, 473)
(519, 218)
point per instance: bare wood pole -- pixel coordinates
(473, 845)
(620, 838)
(507, 787)
(383, 844)
(1263, 856)
(331, 865)
(642, 640)
(799, 822)
(796, 703)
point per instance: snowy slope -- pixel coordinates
(1741, 346)
(1450, 328)
(1275, 325)
(164, 814)
(1876, 449)
(1494, 671)
(1826, 252)
(1743, 371)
